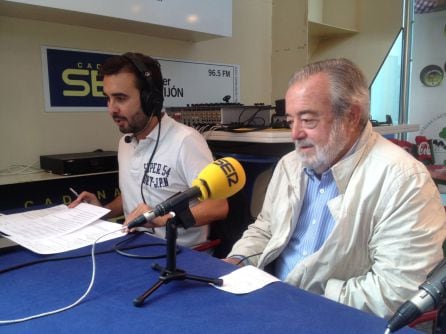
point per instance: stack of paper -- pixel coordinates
(58, 229)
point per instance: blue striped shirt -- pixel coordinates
(314, 223)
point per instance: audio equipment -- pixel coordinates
(279, 119)
(431, 294)
(227, 114)
(151, 97)
(80, 163)
(128, 139)
(280, 107)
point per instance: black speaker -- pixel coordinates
(151, 98)
(280, 107)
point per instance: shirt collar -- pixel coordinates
(312, 174)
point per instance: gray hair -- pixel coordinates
(348, 85)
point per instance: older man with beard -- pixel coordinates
(348, 214)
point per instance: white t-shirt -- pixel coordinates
(180, 156)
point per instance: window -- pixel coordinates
(385, 87)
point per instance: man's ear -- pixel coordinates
(354, 115)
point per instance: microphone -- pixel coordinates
(128, 139)
(431, 293)
(218, 180)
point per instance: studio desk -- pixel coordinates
(275, 142)
(181, 306)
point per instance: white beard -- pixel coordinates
(324, 156)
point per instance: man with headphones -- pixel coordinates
(158, 157)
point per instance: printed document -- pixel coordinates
(58, 229)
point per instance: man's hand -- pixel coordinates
(141, 209)
(85, 197)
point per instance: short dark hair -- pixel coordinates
(122, 63)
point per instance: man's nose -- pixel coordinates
(297, 132)
(111, 107)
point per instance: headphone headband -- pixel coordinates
(140, 66)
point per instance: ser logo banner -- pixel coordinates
(71, 83)
(70, 80)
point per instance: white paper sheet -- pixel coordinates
(59, 229)
(246, 279)
(80, 238)
(50, 222)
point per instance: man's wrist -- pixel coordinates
(238, 260)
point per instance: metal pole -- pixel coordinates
(406, 63)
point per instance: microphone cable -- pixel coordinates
(78, 301)
(115, 248)
(137, 256)
(93, 274)
(243, 258)
(21, 169)
(151, 158)
(250, 121)
(150, 161)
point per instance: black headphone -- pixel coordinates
(151, 98)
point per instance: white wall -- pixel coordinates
(27, 131)
(427, 105)
(379, 22)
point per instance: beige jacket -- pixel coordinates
(390, 225)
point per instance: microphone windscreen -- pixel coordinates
(220, 179)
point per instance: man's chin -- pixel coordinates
(311, 163)
(305, 156)
(124, 130)
(306, 161)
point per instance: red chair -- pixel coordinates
(425, 317)
(207, 245)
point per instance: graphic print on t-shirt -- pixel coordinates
(157, 175)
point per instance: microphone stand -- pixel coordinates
(183, 217)
(439, 326)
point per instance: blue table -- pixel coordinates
(177, 307)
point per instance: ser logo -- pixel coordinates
(82, 80)
(229, 171)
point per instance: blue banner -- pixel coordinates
(71, 80)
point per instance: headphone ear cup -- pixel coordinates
(146, 102)
(156, 101)
(151, 103)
